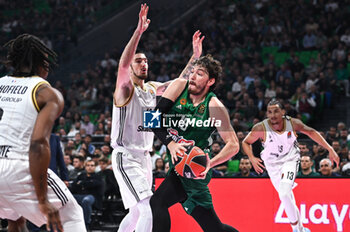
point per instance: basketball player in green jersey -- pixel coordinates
(193, 102)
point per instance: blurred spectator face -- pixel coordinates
(166, 167)
(87, 139)
(77, 163)
(332, 132)
(61, 121)
(159, 164)
(103, 165)
(139, 66)
(325, 167)
(344, 134)
(274, 113)
(90, 167)
(70, 144)
(336, 146)
(240, 136)
(303, 149)
(245, 166)
(86, 119)
(341, 126)
(215, 148)
(107, 139)
(62, 132)
(305, 163)
(67, 160)
(77, 125)
(105, 150)
(77, 138)
(229, 95)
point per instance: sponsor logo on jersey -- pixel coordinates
(183, 101)
(289, 135)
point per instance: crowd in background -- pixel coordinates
(295, 51)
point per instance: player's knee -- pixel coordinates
(284, 191)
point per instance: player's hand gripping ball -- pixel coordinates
(191, 163)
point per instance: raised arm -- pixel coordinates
(256, 133)
(51, 103)
(197, 42)
(317, 137)
(124, 84)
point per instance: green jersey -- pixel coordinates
(192, 124)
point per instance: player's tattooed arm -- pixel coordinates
(197, 47)
(185, 74)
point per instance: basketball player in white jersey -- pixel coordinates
(131, 142)
(281, 154)
(28, 109)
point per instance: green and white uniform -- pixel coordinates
(197, 190)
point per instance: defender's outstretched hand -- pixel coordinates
(143, 20)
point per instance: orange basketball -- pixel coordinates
(191, 163)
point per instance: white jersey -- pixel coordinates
(18, 113)
(280, 147)
(127, 120)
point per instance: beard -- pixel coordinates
(199, 89)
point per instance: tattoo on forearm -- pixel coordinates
(187, 71)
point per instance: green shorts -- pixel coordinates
(198, 193)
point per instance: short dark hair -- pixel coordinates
(308, 155)
(104, 159)
(274, 101)
(213, 67)
(79, 157)
(27, 51)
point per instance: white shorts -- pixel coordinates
(284, 172)
(133, 171)
(18, 197)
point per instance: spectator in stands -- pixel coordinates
(326, 168)
(88, 190)
(159, 172)
(305, 106)
(106, 151)
(78, 164)
(271, 90)
(237, 85)
(87, 145)
(166, 167)
(306, 164)
(304, 150)
(68, 162)
(309, 40)
(112, 188)
(343, 78)
(74, 129)
(345, 165)
(220, 169)
(332, 135)
(87, 125)
(244, 168)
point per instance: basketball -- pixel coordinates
(191, 163)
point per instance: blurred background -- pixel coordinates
(295, 51)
